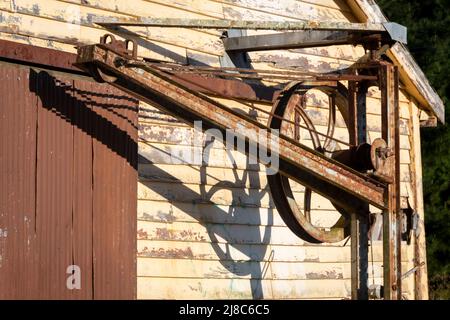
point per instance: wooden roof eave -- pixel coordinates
(411, 75)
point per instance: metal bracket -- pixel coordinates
(397, 32)
(234, 59)
(120, 47)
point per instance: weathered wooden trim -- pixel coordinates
(431, 122)
(416, 82)
(420, 252)
(239, 24)
(411, 74)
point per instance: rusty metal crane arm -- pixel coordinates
(345, 186)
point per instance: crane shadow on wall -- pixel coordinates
(91, 111)
(233, 230)
(142, 42)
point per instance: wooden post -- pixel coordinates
(421, 275)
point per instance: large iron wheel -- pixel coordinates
(287, 112)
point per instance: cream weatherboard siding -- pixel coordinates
(213, 231)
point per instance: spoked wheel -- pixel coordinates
(288, 115)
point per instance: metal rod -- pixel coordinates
(273, 73)
(179, 66)
(363, 255)
(359, 220)
(301, 126)
(331, 120)
(352, 113)
(309, 124)
(157, 65)
(248, 76)
(354, 235)
(391, 218)
(363, 217)
(413, 270)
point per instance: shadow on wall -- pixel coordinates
(151, 46)
(256, 254)
(83, 109)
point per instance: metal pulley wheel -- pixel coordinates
(287, 114)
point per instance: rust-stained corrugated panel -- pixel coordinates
(68, 181)
(53, 185)
(83, 192)
(18, 272)
(114, 189)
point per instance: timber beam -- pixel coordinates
(395, 31)
(238, 24)
(287, 40)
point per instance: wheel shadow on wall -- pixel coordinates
(234, 230)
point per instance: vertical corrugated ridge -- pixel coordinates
(17, 200)
(114, 192)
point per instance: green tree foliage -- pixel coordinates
(428, 23)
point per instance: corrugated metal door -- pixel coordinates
(68, 158)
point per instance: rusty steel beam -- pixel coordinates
(226, 88)
(389, 87)
(329, 177)
(38, 56)
(359, 220)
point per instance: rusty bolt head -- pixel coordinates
(384, 153)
